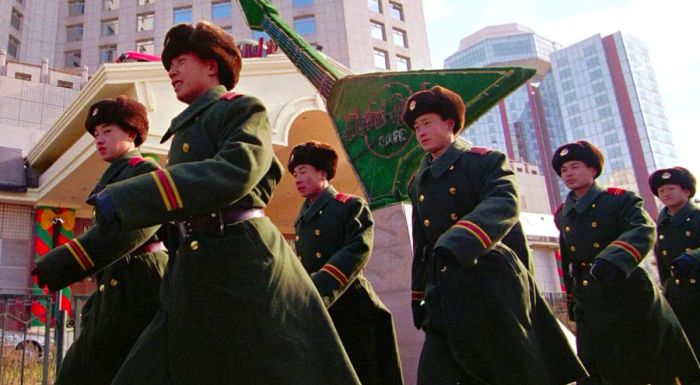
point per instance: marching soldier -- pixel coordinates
(678, 246)
(126, 298)
(238, 308)
(626, 332)
(335, 233)
(484, 320)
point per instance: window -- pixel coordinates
(375, 5)
(23, 76)
(145, 2)
(396, 11)
(301, 3)
(76, 7)
(64, 84)
(305, 25)
(72, 59)
(74, 32)
(381, 59)
(182, 15)
(110, 5)
(146, 46)
(377, 30)
(16, 19)
(13, 47)
(403, 63)
(145, 21)
(109, 27)
(400, 38)
(108, 53)
(221, 10)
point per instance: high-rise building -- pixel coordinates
(602, 89)
(365, 36)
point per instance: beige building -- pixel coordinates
(365, 36)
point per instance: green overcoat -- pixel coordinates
(626, 331)
(334, 242)
(126, 298)
(490, 318)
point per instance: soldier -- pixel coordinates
(335, 233)
(626, 332)
(238, 307)
(678, 246)
(484, 320)
(126, 298)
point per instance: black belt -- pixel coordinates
(215, 222)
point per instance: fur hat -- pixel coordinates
(446, 103)
(320, 155)
(126, 113)
(675, 175)
(582, 150)
(207, 41)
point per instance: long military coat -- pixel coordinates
(499, 328)
(626, 330)
(678, 234)
(126, 298)
(238, 307)
(334, 242)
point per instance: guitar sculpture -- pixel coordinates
(366, 109)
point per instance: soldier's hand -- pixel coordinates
(606, 272)
(684, 266)
(418, 309)
(105, 213)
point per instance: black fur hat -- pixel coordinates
(207, 41)
(446, 103)
(126, 113)
(582, 150)
(675, 175)
(320, 155)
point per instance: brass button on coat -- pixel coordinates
(572, 248)
(454, 216)
(567, 229)
(318, 254)
(444, 269)
(194, 245)
(678, 281)
(453, 190)
(426, 223)
(688, 233)
(102, 288)
(317, 232)
(596, 245)
(593, 205)
(113, 282)
(421, 198)
(296, 237)
(594, 224)
(185, 147)
(452, 167)
(693, 281)
(664, 252)
(585, 282)
(661, 236)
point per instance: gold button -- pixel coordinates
(585, 282)
(318, 254)
(664, 252)
(444, 269)
(692, 281)
(661, 236)
(421, 198)
(194, 245)
(317, 232)
(687, 219)
(567, 229)
(688, 233)
(102, 288)
(678, 281)
(185, 147)
(320, 212)
(454, 216)
(593, 205)
(426, 222)
(452, 167)
(296, 237)
(572, 248)
(113, 282)
(594, 224)
(596, 245)
(453, 190)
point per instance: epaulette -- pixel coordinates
(135, 161)
(558, 209)
(230, 96)
(480, 150)
(615, 191)
(343, 198)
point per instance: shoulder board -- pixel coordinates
(615, 191)
(480, 150)
(135, 161)
(412, 178)
(343, 198)
(558, 209)
(230, 96)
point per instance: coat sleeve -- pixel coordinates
(420, 248)
(244, 157)
(476, 233)
(636, 238)
(92, 251)
(345, 264)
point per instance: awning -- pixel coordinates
(12, 173)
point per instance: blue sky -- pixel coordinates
(668, 27)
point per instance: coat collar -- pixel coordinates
(679, 217)
(193, 110)
(583, 203)
(440, 165)
(308, 209)
(114, 168)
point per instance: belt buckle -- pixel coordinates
(217, 222)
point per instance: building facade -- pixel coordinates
(602, 89)
(365, 36)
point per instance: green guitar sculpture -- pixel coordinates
(366, 109)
